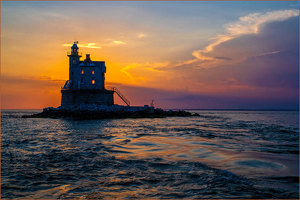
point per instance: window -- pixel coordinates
(93, 82)
(74, 61)
(82, 71)
(93, 72)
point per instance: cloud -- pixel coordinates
(95, 46)
(34, 81)
(249, 24)
(268, 53)
(172, 99)
(142, 35)
(29, 92)
(127, 68)
(119, 42)
(141, 71)
(86, 45)
(260, 69)
(222, 58)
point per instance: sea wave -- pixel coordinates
(217, 155)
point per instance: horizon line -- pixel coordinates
(204, 109)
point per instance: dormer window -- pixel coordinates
(82, 71)
(93, 72)
(93, 82)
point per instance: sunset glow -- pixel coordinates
(208, 55)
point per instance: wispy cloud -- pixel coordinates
(119, 42)
(86, 45)
(133, 78)
(95, 46)
(41, 81)
(144, 70)
(128, 67)
(223, 58)
(142, 35)
(249, 24)
(268, 53)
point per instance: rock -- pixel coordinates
(108, 112)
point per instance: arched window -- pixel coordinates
(93, 72)
(93, 82)
(82, 71)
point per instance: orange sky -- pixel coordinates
(167, 49)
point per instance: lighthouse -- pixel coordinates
(86, 84)
(84, 95)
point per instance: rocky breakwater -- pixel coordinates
(108, 112)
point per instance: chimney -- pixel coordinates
(88, 59)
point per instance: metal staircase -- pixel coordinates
(126, 101)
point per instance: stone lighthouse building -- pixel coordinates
(86, 84)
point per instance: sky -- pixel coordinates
(181, 54)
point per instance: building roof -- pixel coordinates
(74, 46)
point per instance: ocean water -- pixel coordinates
(221, 154)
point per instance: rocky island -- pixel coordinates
(109, 112)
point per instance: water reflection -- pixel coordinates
(217, 155)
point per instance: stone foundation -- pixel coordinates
(81, 97)
(85, 112)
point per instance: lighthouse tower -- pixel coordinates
(73, 60)
(86, 84)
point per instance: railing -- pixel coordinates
(71, 53)
(126, 101)
(67, 85)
